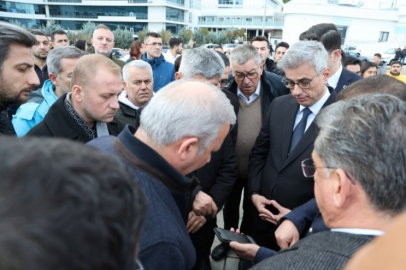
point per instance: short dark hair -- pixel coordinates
(80, 44)
(396, 62)
(378, 54)
(282, 44)
(177, 62)
(367, 65)
(12, 34)
(375, 84)
(37, 33)
(152, 34)
(57, 32)
(331, 40)
(260, 38)
(349, 60)
(175, 42)
(317, 31)
(77, 208)
(225, 59)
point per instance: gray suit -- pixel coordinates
(324, 250)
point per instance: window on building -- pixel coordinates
(226, 2)
(383, 36)
(239, 2)
(343, 32)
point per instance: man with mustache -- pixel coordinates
(82, 114)
(17, 74)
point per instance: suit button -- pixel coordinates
(310, 230)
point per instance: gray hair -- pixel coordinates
(366, 137)
(305, 52)
(201, 61)
(243, 53)
(138, 64)
(178, 111)
(56, 55)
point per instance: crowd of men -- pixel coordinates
(126, 165)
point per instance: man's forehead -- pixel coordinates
(103, 33)
(60, 36)
(281, 49)
(154, 39)
(259, 44)
(136, 72)
(250, 64)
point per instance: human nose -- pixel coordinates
(246, 80)
(33, 78)
(296, 90)
(114, 104)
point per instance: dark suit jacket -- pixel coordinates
(272, 172)
(325, 250)
(346, 78)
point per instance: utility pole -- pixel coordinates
(263, 19)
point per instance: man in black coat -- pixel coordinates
(255, 90)
(83, 114)
(287, 138)
(261, 43)
(17, 74)
(216, 178)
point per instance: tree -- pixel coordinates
(15, 22)
(186, 35)
(88, 28)
(166, 36)
(286, 1)
(205, 33)
(50, 27)
(122, 38)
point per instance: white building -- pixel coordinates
(385, 22)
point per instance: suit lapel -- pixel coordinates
(290, 112)
(310, 135)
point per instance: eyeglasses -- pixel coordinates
(309, 169)
(302, 84)
(154, 44)
(241, 76)
(139, 82)
(223, 83)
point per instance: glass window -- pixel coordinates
(7, 6)
(383, 36)
(178, 2)
(27, 23)
(95, 11)
(226, 2)
(173, 28)
(173, 14)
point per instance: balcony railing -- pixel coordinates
(240, 23)
(90, 16)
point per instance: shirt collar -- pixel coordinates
(333, 80)
(359, 231)
(316, 107)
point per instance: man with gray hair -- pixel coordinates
(17, 74)
(357, 194)
(138, 84)
(255, 89)
(166, 147)
(218, 176)
(60, 62)
(286, 138)
(103, 43)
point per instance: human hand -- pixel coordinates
(287, 234)
(245, 251)
(282, 212)
(194, 223)
(260, 203)
(204, 205)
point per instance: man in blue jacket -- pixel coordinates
(163, 71)
(60, 64)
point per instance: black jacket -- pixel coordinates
(6, 127)
(59, 123)
(271, 67)
(126, 115)
(271, 87)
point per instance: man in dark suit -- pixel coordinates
(328, 34)
(286, 138)
(357, 195)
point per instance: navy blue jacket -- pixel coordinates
(164, 240)
(346, 78)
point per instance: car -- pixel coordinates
(119, 53)
(210, 46)
(230, 47)
(389, 55)
(356, 55)
(165, 48)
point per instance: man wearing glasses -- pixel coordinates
(359, 180)
(164, 71)
(286, 138)
(255, 90)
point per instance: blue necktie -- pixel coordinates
(300, 129)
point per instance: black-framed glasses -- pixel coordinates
(223, 82)
(241, 76)
(309, 169)
(302, 84)
(139, 82)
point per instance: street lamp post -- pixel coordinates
(263, 19)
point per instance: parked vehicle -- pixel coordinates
(230, 47)
(210, 46)
(165, 48)
(356, 55)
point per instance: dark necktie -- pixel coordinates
(300, 129)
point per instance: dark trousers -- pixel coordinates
(231, 213)
(203, 240)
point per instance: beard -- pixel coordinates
(6, 96)
(394, 74)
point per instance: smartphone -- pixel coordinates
(226, 236)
